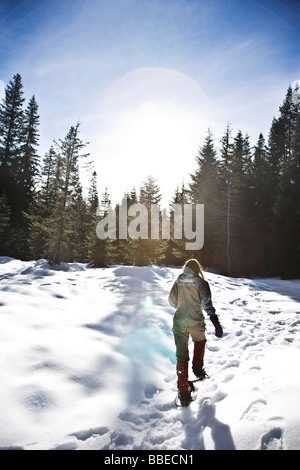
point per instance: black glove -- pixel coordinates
(218, 328)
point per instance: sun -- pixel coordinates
(154, 137)
(157, 120)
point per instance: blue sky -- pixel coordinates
(146, 78)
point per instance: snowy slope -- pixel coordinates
(87, 362)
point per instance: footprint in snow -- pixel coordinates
(255, 410)
(228, 378)
(92, 432)
(270, 384)
(272, 440)
(253, 369)
(150, 390)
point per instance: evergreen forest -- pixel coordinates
(251, 197)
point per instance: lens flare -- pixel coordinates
(148, 300)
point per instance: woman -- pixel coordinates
(189, 294)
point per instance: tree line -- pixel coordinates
(251, 198)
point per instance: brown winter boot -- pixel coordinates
(184, 389)
(182, 376)
(199, 349)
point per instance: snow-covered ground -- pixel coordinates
(87, 361)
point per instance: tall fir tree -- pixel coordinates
(281, 135)
(80, 223)
(176, 253)
(125, 248)
(285, 250)
(42, 204)
(11, 126)
(205, 189)
(92, 207)
(151, 250)
(104, 248)
(29, 160)
(18, 160)
(142, 246)
(93, 198)
(260, 175)
(11, 131)
(28, 169)
(59, 224)
(260, 191)
(225, 201)
(238, 204)
(50, 178)
(288, 115)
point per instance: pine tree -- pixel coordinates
(285, 259)
(42, 204)
(276, 150)
(150, 193)
(11, 129)
(125, 248)
(92, 210)
(205, 189)
(260, 173)
(282, 132)
(11, 124)
(93, 199)
(145, 248)
(294, 268)
(225, 201)
(104, 248)
(288, 114)
(28, 171)
(239, 219)
(260, 200)
(29, 160)
(80, 233)
(50, 178)
(284, 151)
(59, 229)
(176, 253)
(18, 161)
(152, 249)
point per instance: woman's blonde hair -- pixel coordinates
(195, 266)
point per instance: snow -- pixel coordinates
(88, 361)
